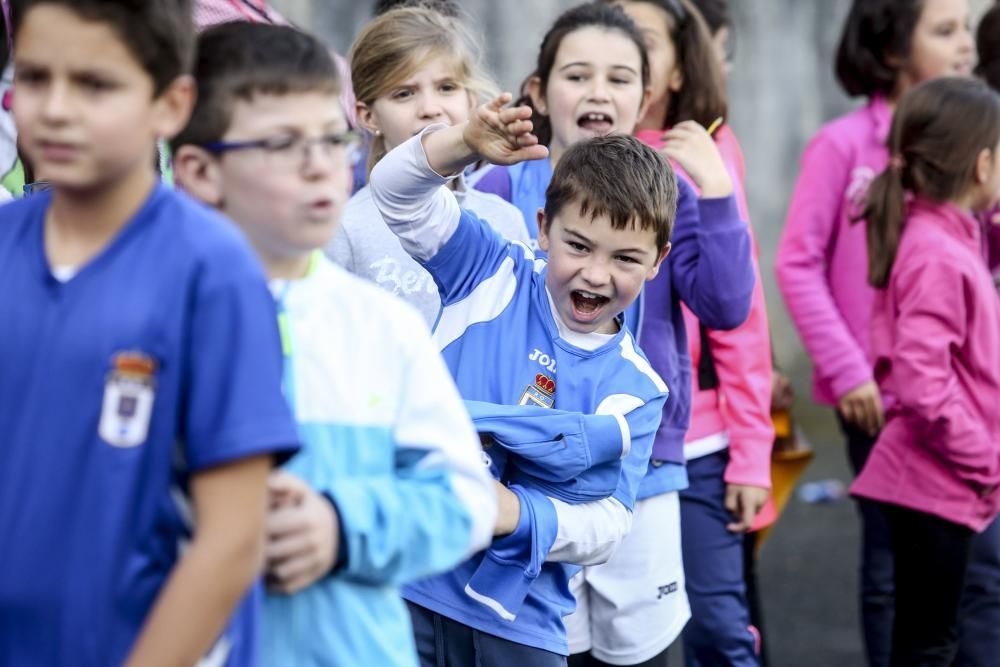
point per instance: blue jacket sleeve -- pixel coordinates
(384, 517)
(710, 262)
(553, 445)
(512, 564)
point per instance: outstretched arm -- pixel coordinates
(405, 184)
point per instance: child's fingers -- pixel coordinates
(511, 114)
(283, 521)
(732, 501)
(536, 152)
(499, 102)
(293, 575)
(281, 482)
(520, 127)
(691, 126)
(286, 546)
(526, 140)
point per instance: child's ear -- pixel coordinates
(172, 108)
(659, 261)
(197, 173)
(366, 118)
(534, 90)
(984, 165)
(543, 235)
(676, 80)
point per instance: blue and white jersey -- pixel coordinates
(158, 359)
(385, 436)
(503, 343)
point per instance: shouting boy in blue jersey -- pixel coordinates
(389, 486)
(517, 330)
(140, 363)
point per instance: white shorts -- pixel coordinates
(633, 607)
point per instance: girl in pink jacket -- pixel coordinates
(935, 468)
(886, 47)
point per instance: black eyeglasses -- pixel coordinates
(289, 150)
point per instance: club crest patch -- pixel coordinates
(541, 393)
(127, 407)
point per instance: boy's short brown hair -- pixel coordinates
(620, 177)
(239, 60)
(158, 33)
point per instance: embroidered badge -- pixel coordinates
(127, 407)
(542, 393)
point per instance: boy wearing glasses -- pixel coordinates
(389, 486)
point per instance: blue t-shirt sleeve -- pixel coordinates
(472, 255)
(234, 407)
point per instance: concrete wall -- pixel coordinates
(782, 89)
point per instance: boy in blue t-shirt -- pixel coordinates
(140, 364)
(389, 486)
(517, 330)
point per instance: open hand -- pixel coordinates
(743, 502)
(303, 531)
(689, 145)
(503, 135)
(862, 406)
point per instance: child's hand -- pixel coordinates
(782, 394)
(743, 502)
(862, 406)
(695, 151)
(503, 135)
(302, 535)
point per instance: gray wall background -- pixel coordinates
(781, 90)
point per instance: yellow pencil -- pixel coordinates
(714, 126)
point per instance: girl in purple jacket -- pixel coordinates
(728, 444)
(592, 78)
(935, 468)
(887, 46)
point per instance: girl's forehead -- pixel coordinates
(598, 44)
(435, 62)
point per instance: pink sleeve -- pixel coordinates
(931, 325)
(742, 359)
(802, 262)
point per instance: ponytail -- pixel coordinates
(884, 212)
(938, 131)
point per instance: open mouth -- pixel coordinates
(320, 210)
(587, 305)
(596, 122)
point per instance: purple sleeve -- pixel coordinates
(496, 181)
(711, 263)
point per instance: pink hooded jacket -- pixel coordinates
(936, 341)
(740, 406)
(822, 260)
